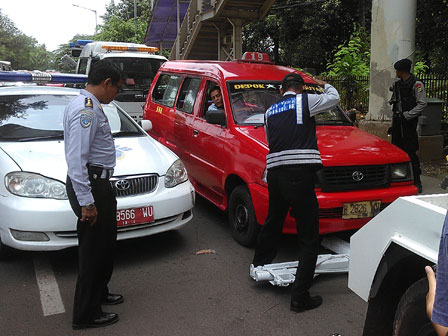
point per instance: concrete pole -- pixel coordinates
(237, 25)
(392, 38)
(178, 29)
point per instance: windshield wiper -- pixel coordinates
(126, 133)
(333, 122)
(44, 137)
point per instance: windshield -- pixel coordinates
(40, 117)
(250, 100)
(139, 71)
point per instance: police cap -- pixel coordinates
(403, 65)
(292, 77)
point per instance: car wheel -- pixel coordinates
(410, 317)
(242, 220)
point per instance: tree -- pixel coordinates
(432, 34)
(351, 61)
(24, 52)
(303, 33)
(119, 24)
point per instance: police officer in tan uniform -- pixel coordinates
(408, 101)
(90, 156)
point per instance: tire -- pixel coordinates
(410, 317)
(242, 220)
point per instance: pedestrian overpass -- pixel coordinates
(203, 29)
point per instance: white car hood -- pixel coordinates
(136, 155)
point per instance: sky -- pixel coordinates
(54, 22)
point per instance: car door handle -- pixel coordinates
(195, 132)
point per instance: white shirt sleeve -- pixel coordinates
(318, 103)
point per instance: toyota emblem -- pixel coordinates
(357, 176)
(122, 185)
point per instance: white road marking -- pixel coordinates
(50, 296)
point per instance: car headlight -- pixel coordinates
(176, 174)
(401, 172)
(34, 185)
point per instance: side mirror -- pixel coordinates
(217, 117)
(352, 115)
(76, 52)
(68, 62)
(145, 124)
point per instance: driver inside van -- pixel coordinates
(216, 96)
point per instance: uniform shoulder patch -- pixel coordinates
(419, 87)
(88, 102)
(86, 118)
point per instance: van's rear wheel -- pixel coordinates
(410, 317)
(242, 220)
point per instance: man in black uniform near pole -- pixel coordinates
(408, 101)
(291, 163)
(90, 156)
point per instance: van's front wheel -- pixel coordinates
(410, 317)
(242, 220)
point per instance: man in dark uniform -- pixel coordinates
(408, 101)
(291, 163)
(90, 156)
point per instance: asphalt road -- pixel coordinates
(170, 290)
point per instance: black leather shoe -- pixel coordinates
(104, 320)
(113, 299)
(308, 303)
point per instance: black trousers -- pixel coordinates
(95, 251)
(404, 135)
(291, 187)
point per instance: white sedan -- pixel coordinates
(151, 183)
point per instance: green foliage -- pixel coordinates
(431, 34)
(420, 68)
(350, 66)
(353, 57)
(119, 24)
(302, 33)
(119, 30)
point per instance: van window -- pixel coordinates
(82, 66)
(188, 93)
(166, 88)
(207, 99)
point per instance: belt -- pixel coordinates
(98, 172)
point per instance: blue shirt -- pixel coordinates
(87, 139)
(213, 107)
(440, 310)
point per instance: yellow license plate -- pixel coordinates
(360, 209)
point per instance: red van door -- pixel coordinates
(208, 161)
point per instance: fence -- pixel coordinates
(354, 91)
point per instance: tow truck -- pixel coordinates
(138, 61)
(385, 261)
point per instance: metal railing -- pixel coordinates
(354, 91)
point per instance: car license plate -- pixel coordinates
(360, 209)
(134, 216)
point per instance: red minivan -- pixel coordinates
(225, 149)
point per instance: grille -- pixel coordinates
(352, 177)
(134, 185)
